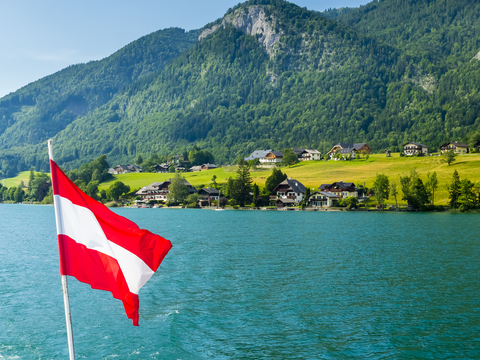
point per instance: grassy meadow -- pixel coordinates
(315, 173)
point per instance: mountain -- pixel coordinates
(269, 74)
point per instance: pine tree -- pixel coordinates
(454, 190)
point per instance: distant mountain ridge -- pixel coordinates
(269, 74)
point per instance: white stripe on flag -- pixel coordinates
(81, 225)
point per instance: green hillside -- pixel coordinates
(269, 74)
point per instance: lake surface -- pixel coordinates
(256, 284)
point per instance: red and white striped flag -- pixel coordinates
(101, 248)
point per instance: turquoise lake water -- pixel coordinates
(256, 285)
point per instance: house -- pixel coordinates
(125, 169)
(257, 154)
(298, 152)
(135, 168)
(120, 169)
(207, 195)
(345, 152)
(340, 188)
(281, 203)
(159, 190)
(323, 199)
(272, 157)
(196, 168)
(458, 148)
(388, 153)
(161, 169)
(111, 171)
(413, 148)
(208, 167)
(360, 147)
(290, 189)
(309, 155)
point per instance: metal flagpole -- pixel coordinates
(66, 299)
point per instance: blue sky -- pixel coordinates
(39, 38)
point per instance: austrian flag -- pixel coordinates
(101, 248)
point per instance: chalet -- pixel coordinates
(281, 203)
(323, 199)
(360, 147)
(458, 148)
(208, 167)
(290, 189)
(161, 169)
(196, 168)
(135, 168)
(125, 169)
(159, 190)
(111, 171)
(120, 169)
(272, 157)
(258, 154)
(207, 195)
(413, 148)
(352, 152)
(340, 188)
(307, 154)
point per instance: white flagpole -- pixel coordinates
(66, 299)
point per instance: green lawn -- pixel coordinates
(315, 173)
(23, 176)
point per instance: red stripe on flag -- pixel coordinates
(149, 247)
(100, 271)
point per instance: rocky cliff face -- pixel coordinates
(251, 21)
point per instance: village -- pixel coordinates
(288, 194)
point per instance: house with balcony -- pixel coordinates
(359, 147)
(323, 199)
(290, 190)
(458, 148)
(161, 168)
(158, 191)
(272, 157)
(414, 148)
(307, 154)
(207, 195)
(341, 189)
(258, 154)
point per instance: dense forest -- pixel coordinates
(269, 74)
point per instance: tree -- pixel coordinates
(214, 181)
(242, 183)
(116, 190)
(256, 193)
(307, 193)
(92, 189)
(192, 200)
(454, 190)
(273, 180)
(414, 191)
(30, 180)
(18, 195)
(467, 198)
(431, 185)
(139, 160)
(394, 193)
(381, 187)
(449, 157)
(177, 190)
(199, 157)
(289, 158)
(254, 163)
(39, 187)
(230, 187)
(349, 202)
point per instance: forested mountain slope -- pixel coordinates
(273, 75)
(45, 107)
